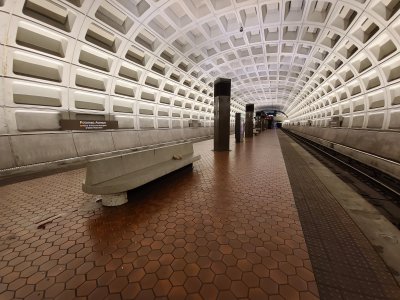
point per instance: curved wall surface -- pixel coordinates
(151, 64)
(358, 77)
(92, 60)
(383, 144)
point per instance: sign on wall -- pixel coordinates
(88, 124)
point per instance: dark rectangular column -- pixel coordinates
(249, 120)
(270, 120)
(239, 127)
(222, 112)
(258, 120)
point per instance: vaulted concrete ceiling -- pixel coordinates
(299, 56)
(287, 49)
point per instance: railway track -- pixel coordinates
(380, 189)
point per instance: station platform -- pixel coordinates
(251, 223)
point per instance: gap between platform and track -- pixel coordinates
(323, 201)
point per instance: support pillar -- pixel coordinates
(222, 113)
(258, 120)
(239, 127)
(249, 120)
(270, 121)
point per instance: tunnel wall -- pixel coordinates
(385, 144)
(150, 65)
(39, 152)
(92, 60)
(358, 77)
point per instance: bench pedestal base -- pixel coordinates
(114, 199)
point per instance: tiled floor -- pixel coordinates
(227, 230)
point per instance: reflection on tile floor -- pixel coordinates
(228, 229)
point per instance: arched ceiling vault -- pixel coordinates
(299, 56)
(287, 49)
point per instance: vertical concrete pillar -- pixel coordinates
(258, 120)
(239, 127)
(270, 120)
(263, 116)
(249, 120)
(222, 113)
(262, 122)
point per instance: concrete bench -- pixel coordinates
(112, 177)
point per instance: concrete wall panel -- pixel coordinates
(164, 136)
(126, 139)
(148, 137)
(3, 123)
(87, 143)
(6, 154)
(177, 134)
(385, 144)
(37, 148)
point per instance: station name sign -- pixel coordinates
(88, 125)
